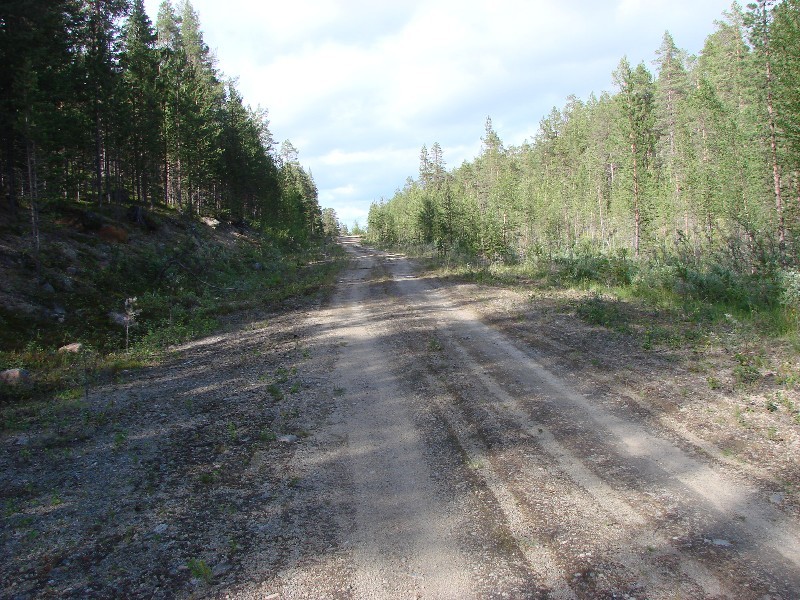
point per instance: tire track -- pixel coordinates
(768, 541)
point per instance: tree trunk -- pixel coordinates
(773, 143)
(637, 218)
(32, 185)
(10, 177)
(98, 159)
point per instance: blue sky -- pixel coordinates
(359, 86)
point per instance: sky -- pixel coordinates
(359, 86)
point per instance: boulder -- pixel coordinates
(112, 233)
(73, 348)
(59, 313)
(15, 377)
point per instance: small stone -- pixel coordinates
(22, 440)
(161, 528)
(288, 439)
(777, 498)
(15, 377)
(721, 542)
(73, 348)
(221, 569)
(72, 271)
(48, 288)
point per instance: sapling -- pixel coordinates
(129, 320)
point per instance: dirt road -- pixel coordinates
(394, 443)
(463, 467)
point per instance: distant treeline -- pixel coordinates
(98, 105)
(701, 160)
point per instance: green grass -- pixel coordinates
(275, 392)
(186, 280)
(599, 310)
(669, 299)
(200, 570)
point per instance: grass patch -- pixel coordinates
(275, 392)
(200, 570)
(598, 310)
(186, 278)
(674, 297)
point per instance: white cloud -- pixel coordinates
(338, 157)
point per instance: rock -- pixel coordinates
(72, 271)
(22, 440)
(160, 528)
(257, 266)
(15, 377)
(68, 251)
(48, 288)
(73, 348)
(59, 313)
(112, 233)
(288, 439)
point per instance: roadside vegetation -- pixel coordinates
(689, 296)
(676, 192)
(142, 200)
(124, 304)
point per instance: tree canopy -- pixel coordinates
(698, 156)
(99, 105)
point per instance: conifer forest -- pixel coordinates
(100, 105)
(688, 170)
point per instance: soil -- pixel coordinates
(411, 437)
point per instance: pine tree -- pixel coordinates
(786, 41)
(424, 167)
(636, 106)
(670, 94)
(171, 74)
(759, 22)
(141, 99)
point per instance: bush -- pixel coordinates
(597, 310)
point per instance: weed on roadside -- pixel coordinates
(598, 310)
(434, 345)
(200, 570)
(267, 435)
(275, 392)
(745, 372)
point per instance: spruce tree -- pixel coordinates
(636, 106)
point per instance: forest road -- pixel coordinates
(455, 464)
